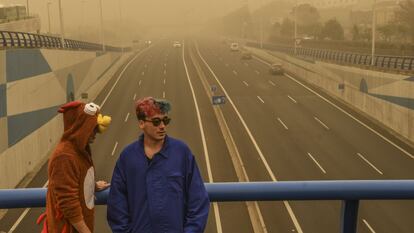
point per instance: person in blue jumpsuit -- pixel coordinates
(156, 186)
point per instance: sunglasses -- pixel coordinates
(157, 121)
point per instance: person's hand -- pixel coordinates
(101, 185)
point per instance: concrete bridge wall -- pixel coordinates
(33, 84)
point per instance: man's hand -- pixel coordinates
(101, 185)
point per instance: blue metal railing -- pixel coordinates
(10, 39)
(401, 63)
(349, 192)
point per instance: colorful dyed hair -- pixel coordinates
(149, 106)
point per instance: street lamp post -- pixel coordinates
(102, 31)
(62, 31)
(27, 7)
(296, 26)
(48, 16)
(120, 27)
(261, 26)
(81, 28)
(373, 32)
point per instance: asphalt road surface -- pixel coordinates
(271, 128)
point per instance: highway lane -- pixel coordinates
(288, 122)
(158, 72)
(234, 72)
(378, 160)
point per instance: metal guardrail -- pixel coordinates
(10, 39)
(350, 192)
(397, 63)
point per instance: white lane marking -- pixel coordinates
(164, 81)
(165, 72)
(345, 112)
(139, 83)
(262, 61)
(272, 83)
(281, 122)
(163, 94)
(165, 64)
(135, 96)
(370, 164)
(143, 73)
(119, 77)
(257, 72)
(294, 101)
(260, 99)
(320, 122)
(126, 118)
(245, 83)
(115, 146)
(369, 227)
(234, 72)
(203, 138)
(314, 160)
(259, 151)
(348, 114)
(246, 64)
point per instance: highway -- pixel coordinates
(271, 128)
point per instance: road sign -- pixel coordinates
(217, 100)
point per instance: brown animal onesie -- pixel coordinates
(70, 194)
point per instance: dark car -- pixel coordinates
(276, 69)
(246, 55)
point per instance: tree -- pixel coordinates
(307, 18)
(387, 31)
(287, 29)
(333, 30)
(356, 35)
(306, 14)
(406, 16)
(275, 30)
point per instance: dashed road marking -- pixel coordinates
(370, 164)
(320, 122)
(314, 160)
(282, 123)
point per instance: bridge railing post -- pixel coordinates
(349, 216)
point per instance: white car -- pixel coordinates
(234, 47)
(177, 44)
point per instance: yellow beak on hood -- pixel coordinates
(103, 122)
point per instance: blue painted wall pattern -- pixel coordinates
(21, 125)
(18, 60)
(3, 100)
(401, 101)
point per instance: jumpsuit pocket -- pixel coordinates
(175, 183)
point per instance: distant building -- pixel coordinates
(355, 4)
(386, 12)
(321, 4)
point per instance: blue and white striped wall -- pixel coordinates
(33, 83)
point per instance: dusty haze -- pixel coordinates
(81, 17)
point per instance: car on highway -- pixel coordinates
(177, 44)
(246, 55)
(234, 47)
(148, 42)
(276, 68)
